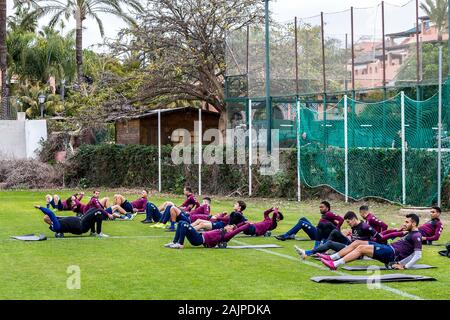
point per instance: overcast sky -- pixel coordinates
(286, 10)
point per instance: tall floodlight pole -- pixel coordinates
(267, 69)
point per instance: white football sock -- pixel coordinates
(335, 256)
(339, 262)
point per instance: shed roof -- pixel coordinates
(154, 112)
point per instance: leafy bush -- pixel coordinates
(374, 172)
(113, 165)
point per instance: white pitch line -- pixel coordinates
(315, 265)
(110, 237)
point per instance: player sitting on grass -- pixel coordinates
(327, 223)
(268, 224)
(373, 221)
(73, 202)
(431, 230)
(92, 220)
(66, 205)
(208, 239)
(216, 221)
(221, 220)
(202, 212)
(140, 204)
(401, 254)
(81, 209)
(337, 240)
(152, 213)
(189, 204)
(96, 202)
(121, 208)
(170, 212)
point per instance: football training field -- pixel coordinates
(133, 264)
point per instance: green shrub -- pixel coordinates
(372, 172)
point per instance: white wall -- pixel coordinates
(20, 139)
(35, 130)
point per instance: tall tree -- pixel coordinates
(437, 11)
(182, 47)
(23, 19)
(80, 10)
(3, 57)
(38, 56)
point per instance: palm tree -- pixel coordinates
(18, 44)
(57, 50)
(22, 20)
(437, 11)
(3, 57)
(80, 10)
(28, 100)
(39, 56)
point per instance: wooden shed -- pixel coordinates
(143, 129)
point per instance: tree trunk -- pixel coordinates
(3, 67)
(223, 121)
(79, 46)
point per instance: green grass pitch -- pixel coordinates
(136, 266)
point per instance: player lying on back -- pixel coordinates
(268, 224)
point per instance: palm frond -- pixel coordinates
(99, 23)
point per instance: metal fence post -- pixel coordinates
(299, 190)
(403, 148)
(346, 146)
(159, 152)
(200, 151)
(250, 147)
(439, 177)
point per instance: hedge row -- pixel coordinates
(376, 172)
(113, 165)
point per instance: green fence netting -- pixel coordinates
(374, 148)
